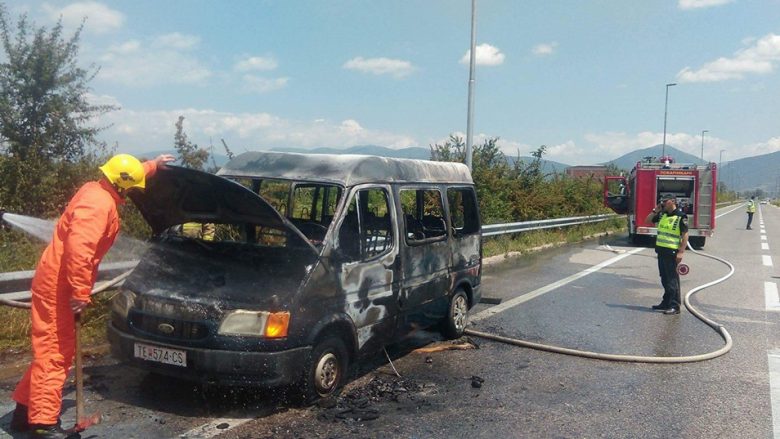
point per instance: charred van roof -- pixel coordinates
(176, 195)
(346, 170)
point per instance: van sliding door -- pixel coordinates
(425, 256)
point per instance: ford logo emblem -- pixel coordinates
(165, 328)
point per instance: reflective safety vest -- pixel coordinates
(668, 232)
(751, 206)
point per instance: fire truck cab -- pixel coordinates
(635, 195)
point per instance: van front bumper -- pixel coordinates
(264, 369)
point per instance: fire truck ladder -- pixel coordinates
(705, 200)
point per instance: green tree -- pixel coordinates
(46, 136)
(190, 155)
(490, 171)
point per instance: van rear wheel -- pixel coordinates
(455, 324)
(326, 370)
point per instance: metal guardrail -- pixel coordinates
(15, 285)
(525, 226)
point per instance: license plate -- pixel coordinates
(161, 355)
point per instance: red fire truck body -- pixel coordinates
(638, 193)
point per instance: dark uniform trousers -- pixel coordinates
(670, 279)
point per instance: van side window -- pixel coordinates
(423, 214)
(367, 230)
(463, 211)
(312, 209)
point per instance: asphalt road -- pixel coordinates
(500, 390)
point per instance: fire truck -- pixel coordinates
(638, 193)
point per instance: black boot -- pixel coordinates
(19, 419)
(52, 432)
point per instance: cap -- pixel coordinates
(665, 197)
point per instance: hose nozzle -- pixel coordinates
(2, 212)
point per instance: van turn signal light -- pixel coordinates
(276, 325)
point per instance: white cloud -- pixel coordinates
(545, 48)
(259, 84)
(759, 58)
(255, 63)
(164, 61)
(138, 131)
(94, 99)
(760, 148)
(611, 145)
(486, 55)
(700, 4)
(175, 41)
(380, 66)
(100, 18)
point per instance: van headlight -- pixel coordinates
(255, 323)
(122, 302)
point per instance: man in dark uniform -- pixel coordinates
(670, 244)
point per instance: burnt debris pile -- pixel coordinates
(362, 404)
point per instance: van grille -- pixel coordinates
(167, 327)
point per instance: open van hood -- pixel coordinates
(175, 195)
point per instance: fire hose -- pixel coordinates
(720, 329)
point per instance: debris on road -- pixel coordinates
(357, 405)
(463, 343)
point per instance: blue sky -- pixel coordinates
(585, 78)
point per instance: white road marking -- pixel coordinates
(772, 298)
(764, 246)
(763, 237)
(493, 310)
(726, 213)
(212, 428)
(767, 260)
(774, 389)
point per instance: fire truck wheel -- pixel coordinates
(697, 242)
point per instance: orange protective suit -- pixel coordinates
(67, 269)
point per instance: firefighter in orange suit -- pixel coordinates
(62, 285)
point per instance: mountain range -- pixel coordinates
(746, 174)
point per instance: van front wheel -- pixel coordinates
(455, 324)
(326, 369)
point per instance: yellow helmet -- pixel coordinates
(125, 171)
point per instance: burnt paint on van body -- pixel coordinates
(369, 294)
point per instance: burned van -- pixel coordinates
(310, 263)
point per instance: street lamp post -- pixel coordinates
(666, 106)
(702, 142)
(472, 61)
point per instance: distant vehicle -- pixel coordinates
(316, 261)
(766, 201)
(638, 193)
